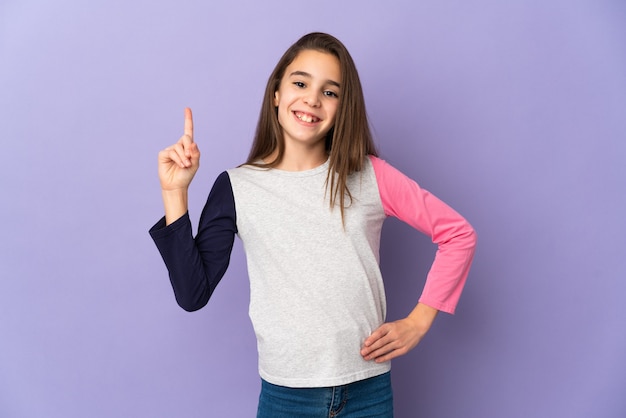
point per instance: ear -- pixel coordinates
(276, 98)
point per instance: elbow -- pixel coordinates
(470, 238)
(465, 237)
(190, 308)
(194, 293)
(191, 304)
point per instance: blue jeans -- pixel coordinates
(365, 398)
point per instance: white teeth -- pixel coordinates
(305, 118)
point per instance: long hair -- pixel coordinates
(348, 142)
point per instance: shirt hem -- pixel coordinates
(325, 382)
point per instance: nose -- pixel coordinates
(312, 99)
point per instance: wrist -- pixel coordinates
(174, 203)
(422, 317)
(174, 194)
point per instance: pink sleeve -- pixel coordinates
(456, 240)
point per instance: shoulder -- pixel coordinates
(222, 191)
(222, 182)
(245, 170)
(384, 171)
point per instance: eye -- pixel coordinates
(330, 93)
(299, 84)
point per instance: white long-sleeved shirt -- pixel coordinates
(316, 287)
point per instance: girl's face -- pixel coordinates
(307, 98)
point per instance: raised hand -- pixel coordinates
(179, 162)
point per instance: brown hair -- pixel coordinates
(348, 142)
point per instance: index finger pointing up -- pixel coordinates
(188, 123)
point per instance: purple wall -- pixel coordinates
(513, 112)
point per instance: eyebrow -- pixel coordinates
(305, 74)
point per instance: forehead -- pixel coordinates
(317, 64)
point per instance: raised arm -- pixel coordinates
(195, 265)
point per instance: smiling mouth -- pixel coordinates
(304, 117)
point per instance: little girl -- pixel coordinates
(308, 205)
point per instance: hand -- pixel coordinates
(179, 162)
(394, 339)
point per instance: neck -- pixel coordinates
(300, 158)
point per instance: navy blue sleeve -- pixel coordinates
(197, 265)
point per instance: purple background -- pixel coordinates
(513, 112)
